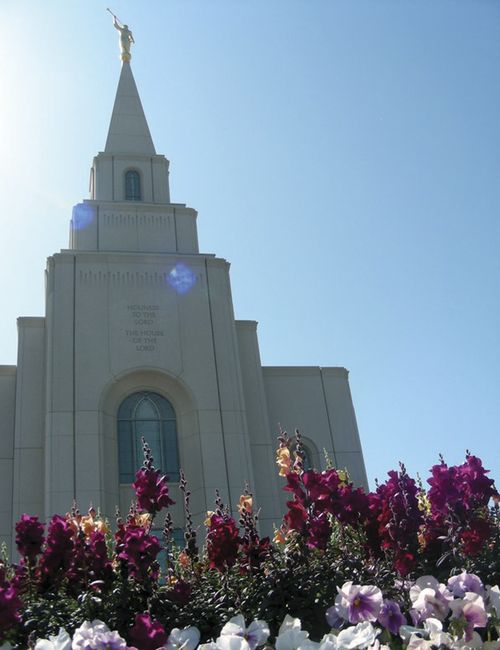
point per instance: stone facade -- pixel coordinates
(132, 307)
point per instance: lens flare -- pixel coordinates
(83, 215)
(181, 278)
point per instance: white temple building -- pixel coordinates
(139, 339)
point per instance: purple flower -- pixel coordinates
(358, 603)
(390, 616)
(471, 610)
(333, 618)
(464, 582)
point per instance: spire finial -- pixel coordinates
(126, 37)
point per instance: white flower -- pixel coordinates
(60, 642)
(361, 635)
(328, 642)
(430, 598)
(97, 636)
(292, 637)
(416, 642)
(236, 636)
(185, 639)
(379, 646)
(475, 642)
(493, 598)
(232, 642)
(406, 631)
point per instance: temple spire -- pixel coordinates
(128, 130)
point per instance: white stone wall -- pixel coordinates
(29, 439)
(7, 414)
(114, 316)
(261, 436)
(317, 402)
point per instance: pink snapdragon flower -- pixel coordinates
(357, 603)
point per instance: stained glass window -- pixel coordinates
(151, 416)
(132, 186)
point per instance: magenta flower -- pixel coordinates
(393, 520)
(10, 607)
(357, 603)
(147, 634)
(139, 550)
(151, 490)
(180, 593)
(223, 542)
(297, 517)
(463, 486)
(59, 550)
(390, 616)
(29, 538)
(319, 531)
(475, 536)
(97, 558)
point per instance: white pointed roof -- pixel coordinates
(128, 130)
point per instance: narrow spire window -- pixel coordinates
(132, 186)
(151, 416)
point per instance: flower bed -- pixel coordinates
(402, 566)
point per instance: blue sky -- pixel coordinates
(344, 157)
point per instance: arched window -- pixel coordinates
(151, 416)
(132, 186)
